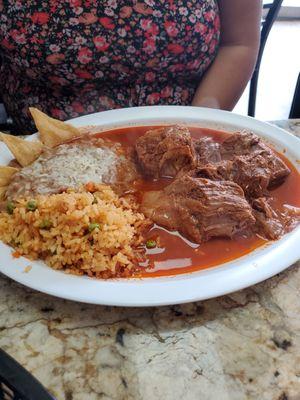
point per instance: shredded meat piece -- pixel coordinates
(249, 163)
(208, 151)
(165, 151)
(252, 173)
(240, 144)
(200, 209)
(271, 223)
(267, 220)
(259, 157)
(216, 172)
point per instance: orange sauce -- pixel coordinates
(175, 254)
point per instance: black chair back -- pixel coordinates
(295, 108)
(272, 8)
(18, 384)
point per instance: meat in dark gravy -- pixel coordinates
(218, 190)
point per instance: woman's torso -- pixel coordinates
(76, 57)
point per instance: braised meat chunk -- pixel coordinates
(272, 223)
(240, 144)
(165, 151)
(253, 179)
(251, 172)
(267, 224)
(199, 208)
(207, 150)
(220, 171)
(260, 158)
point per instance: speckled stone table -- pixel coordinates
(244, 346)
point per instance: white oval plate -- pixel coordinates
(238, 274)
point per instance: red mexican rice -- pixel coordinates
(88, 231)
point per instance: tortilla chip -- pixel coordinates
(3, 190)
(52, 131)
(24, 151)
(6, 174)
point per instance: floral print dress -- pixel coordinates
(74, 57)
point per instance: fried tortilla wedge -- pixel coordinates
(6, 174)
(3, 190)
(24, 151)
(52, 131)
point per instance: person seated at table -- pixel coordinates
(75, 57)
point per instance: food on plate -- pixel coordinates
(272, 222)
(143, 201)
(254, 159)
(207, 150)
(199, 208)
(72, 165)
(219, 197)
(88, 231)
(165, 151)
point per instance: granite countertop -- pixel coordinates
(243, 346)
